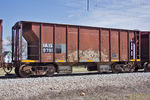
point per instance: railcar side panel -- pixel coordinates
(114, 45)
(104, 45)
(72, 44)
(123, 46)
(145, 46)
(36, 28)
(60, 43)
(88, 45)
(47, 43)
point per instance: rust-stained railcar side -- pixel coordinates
(60, 45)
(145, 46)
(72, 43)
(145, 50)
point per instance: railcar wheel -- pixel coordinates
(147, 68)
(25, 71)
(131, 67)
(17, 71)
(116, 68)
(50, 70)
(7, 70)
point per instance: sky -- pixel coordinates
(125, 14)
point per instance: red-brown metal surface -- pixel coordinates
(60, 43)
(72, 48)
(145, 46)
(89, 44)
(123, 46)
(48, 42)
(104, 45)
(114, 45)
(31, 32)
(47, 37)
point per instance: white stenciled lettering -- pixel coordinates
(47, 48)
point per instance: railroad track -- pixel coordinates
(13, 76)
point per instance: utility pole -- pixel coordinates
(88, 4)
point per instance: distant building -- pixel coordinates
(7, 57)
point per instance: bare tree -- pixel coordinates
(9, 41)
(24, 45)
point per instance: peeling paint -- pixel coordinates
(89, 55)
(73, 56)
(104, 55)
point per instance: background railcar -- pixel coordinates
(145, 46)
(145, 50)
(56, 47)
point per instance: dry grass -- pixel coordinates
(79, 69)
(127, 97)
(2, 71)
(137, 97)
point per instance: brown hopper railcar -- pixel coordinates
(57, 47)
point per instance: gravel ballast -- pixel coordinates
(84, 87)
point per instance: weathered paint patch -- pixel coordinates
(104, 56)
(89, 55)
(73, 56)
